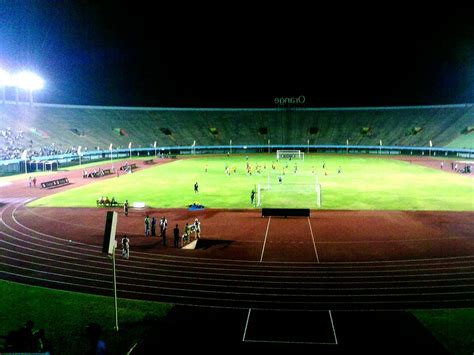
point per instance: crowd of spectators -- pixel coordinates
(27, 340)
(13, 144)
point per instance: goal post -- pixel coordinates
(318, 194)
(289, 154)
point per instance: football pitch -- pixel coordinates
(347, 182)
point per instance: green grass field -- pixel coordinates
(65, 327)
(64, 316)
(365, 183)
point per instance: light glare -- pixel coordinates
(5, 79)
(28, 80)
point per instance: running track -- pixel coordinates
(271, 276)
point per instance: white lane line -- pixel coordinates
(246, 324)
(265, 241)
(314, 243)
(333, 329)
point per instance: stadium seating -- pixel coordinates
(394, 125)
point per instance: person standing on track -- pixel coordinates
(252, 197)
(153, 226)
(197, 229)
(163, 228)
(185, 236)
(125, 247)
(125, 208)
(147, 226)
(176, 236)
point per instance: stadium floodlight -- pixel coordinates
(28, 81)
(5, 78)
(79, 154)
(5, 81)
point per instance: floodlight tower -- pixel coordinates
(28, 81)
(4, 82)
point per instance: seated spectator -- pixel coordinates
(25, 338)
(107, 201)
(96, 342)
(43, 345)
(112, 201)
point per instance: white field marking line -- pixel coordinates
(394, 262)
(246, 324)
(194, 291)
(288, 342)
(150, 281)
(43, 234)
(333, 329)
(265, 240)
(30, 212)
(180, 289)
(239, 300)
(314, 243)
(312, 273)
(62, 242)
(41, 247)
(340, 264)
(397, 241)
(244, 275)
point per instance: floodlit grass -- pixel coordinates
(65, 315)
(452, 328)
(370, 183)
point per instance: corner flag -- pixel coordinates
(110, 148)
(23, 155)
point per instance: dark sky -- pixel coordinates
(240, 54)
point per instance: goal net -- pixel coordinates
(290, 192)
(289, 154)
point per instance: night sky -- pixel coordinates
(238, 54)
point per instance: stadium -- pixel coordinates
(360, 235)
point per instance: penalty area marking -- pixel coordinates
(287, 327)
